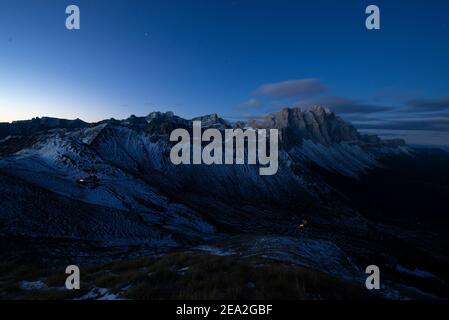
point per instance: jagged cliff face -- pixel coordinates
(318, 125)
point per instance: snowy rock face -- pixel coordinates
(317, 124)
(213, 121)
(320, 137)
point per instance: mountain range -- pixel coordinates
(331, 206)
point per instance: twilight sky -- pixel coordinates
(240, 59)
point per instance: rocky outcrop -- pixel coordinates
(212, 121)
(30, 127)
(317, 124)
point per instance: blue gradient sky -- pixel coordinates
(233, 58)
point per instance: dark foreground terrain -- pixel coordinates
(186, 276)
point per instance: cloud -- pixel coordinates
(402, 113)
(375, 116)
(347, 105)
(303, 88)
(421, 137)
(432, 104)
(417, 124)
(251, 104)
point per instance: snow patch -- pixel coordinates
(99, 294)
(32, 285)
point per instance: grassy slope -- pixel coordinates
(188, 275)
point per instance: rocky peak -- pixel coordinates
(29, 127)
(318, 124)
(163, 123)
(160, 115)
(212, 121)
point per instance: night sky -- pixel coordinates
(240, 59)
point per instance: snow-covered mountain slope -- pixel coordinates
(62, 163)
(31, 211)
(125, 165)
